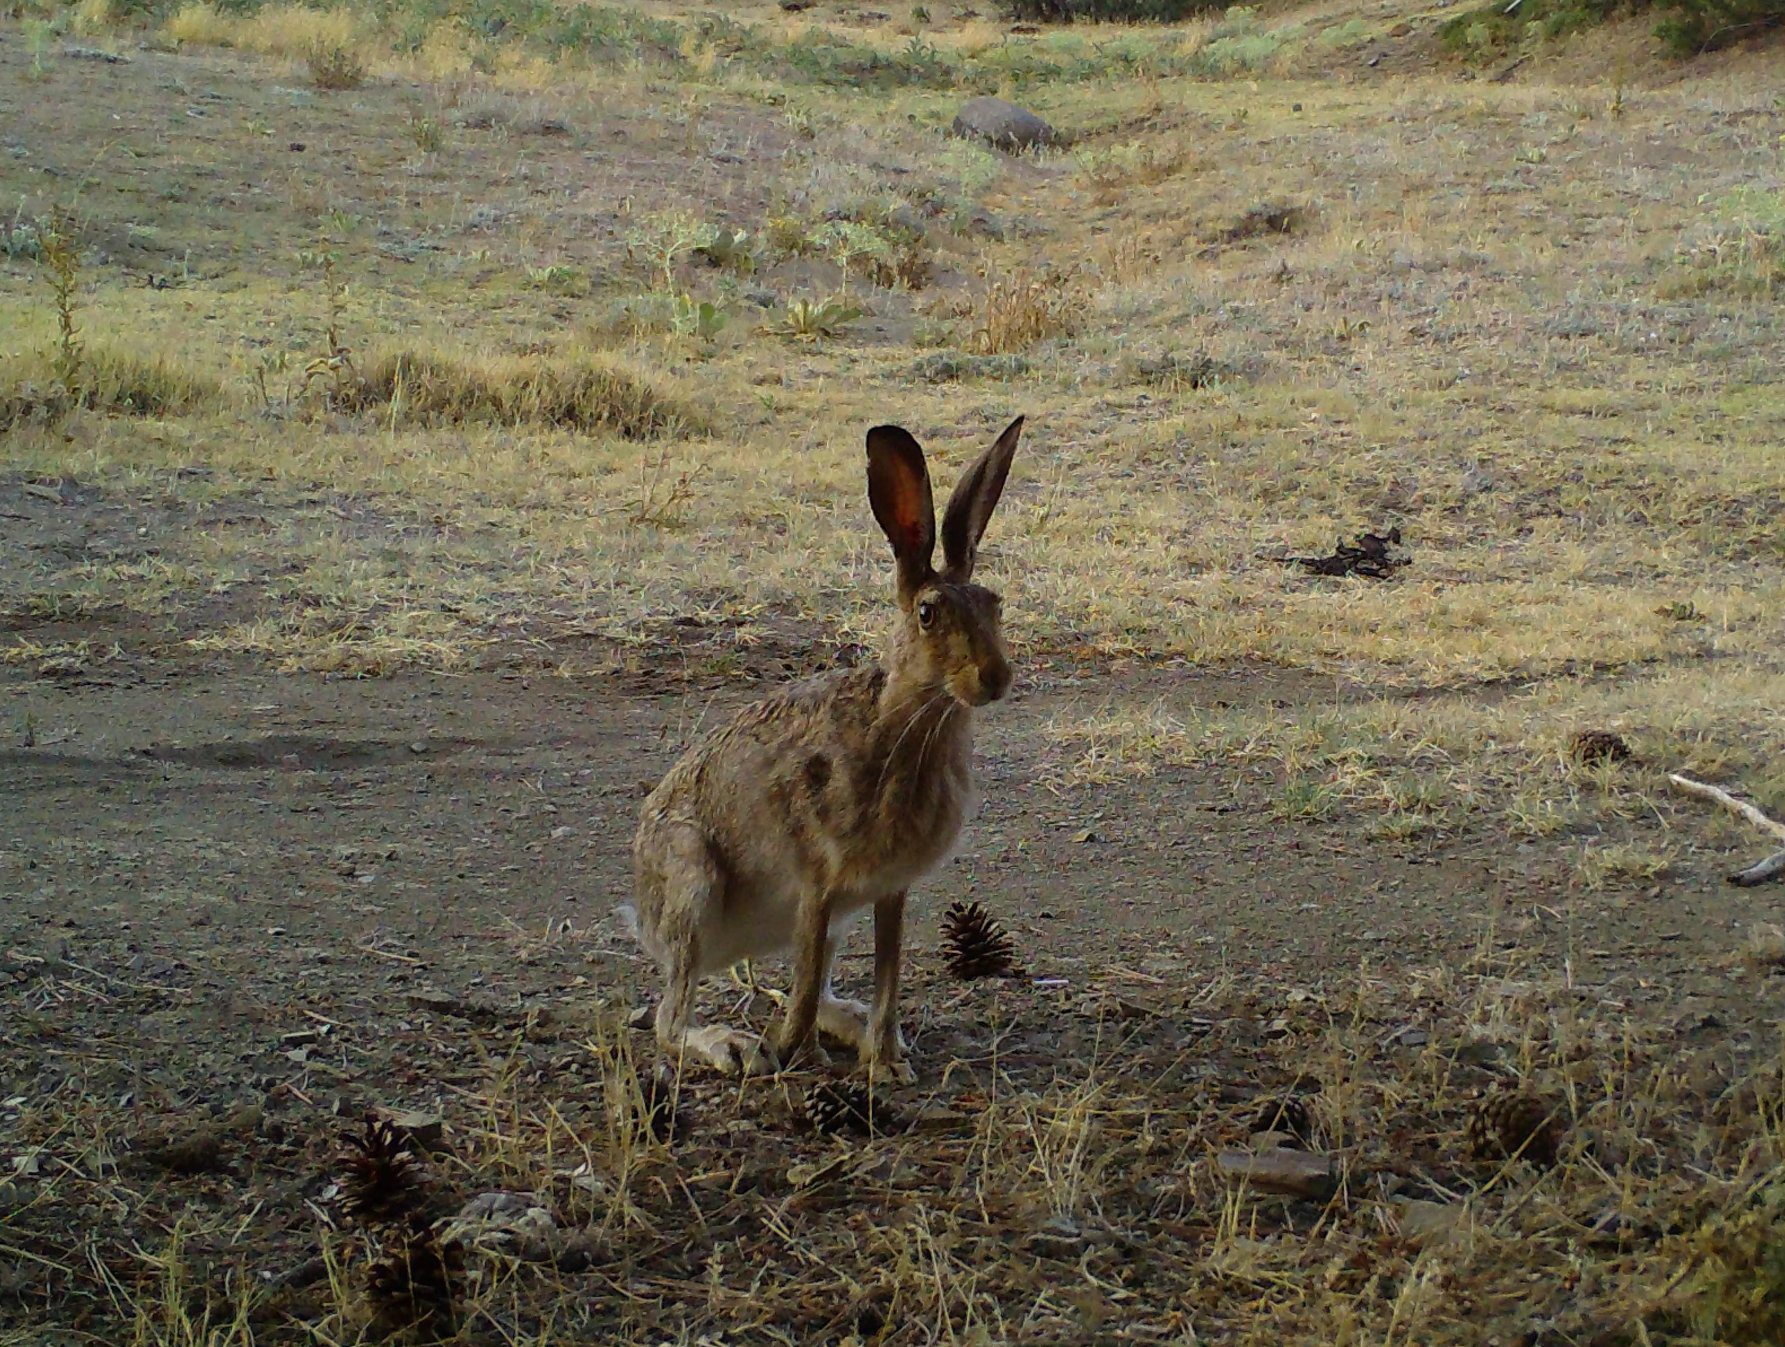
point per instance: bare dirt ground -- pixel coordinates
(244, 908)
(323, 731)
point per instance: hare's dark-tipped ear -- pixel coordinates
(975, 497)
(899, 491)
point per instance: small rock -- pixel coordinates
(497, 1207)
(1003, 125)
(1424, 1221)
(1480, 1052)
(425, 1130)
(441, 1003)
(577, 1250)
(1293, 1173)
(498, 1221)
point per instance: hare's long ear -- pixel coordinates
(975, 497)
(899, 491)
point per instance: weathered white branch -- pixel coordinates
(1728, 801)
(1761, 871)
(1770, 868)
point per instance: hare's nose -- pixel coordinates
(994, 680)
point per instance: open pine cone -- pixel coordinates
(833, 1107)
(977, 947)
(382, 1180)
(1516, 1124)
(1288, 1114)
(1590, 746)
(416, 1283)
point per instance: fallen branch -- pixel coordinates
(1770, 868)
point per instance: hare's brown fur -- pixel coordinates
(832, 796)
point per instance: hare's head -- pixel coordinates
(948, 634)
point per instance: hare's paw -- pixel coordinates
(795, 1053)
(845, 1021)
(727, 1050)
(889, 1066)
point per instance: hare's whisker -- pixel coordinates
(892, 753)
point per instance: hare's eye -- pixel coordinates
(926, 614)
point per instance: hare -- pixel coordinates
(834, 795)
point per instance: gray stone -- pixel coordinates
(1003, 125)
(1293, 1173)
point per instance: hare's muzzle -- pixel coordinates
(982, 682)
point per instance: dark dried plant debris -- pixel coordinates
(977, 947)
(1516, 1124)
(1590, 746)
(415, 1285)
(1265, 218)
(197, 1152)
(382, 1182)
(1376, 556)
(835, 1107)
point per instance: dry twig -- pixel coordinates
(1761, 871)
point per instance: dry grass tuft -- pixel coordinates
(200, 24)
(332, 44)
(427, 389)
(1732, 1289)
(109, 380)
(1022, 308)
(334, 67)
(1112, 173)
(1766, 948)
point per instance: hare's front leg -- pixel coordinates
(798, 1035)
(884, 1051)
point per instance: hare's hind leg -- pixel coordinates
(691, 895)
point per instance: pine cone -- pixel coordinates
(416, 1283)
(657, 1105)
(1287, 1113)
(833, 1107)
(1516, 1124)
(382, 1182)
(977, 946)
(1590, 746)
